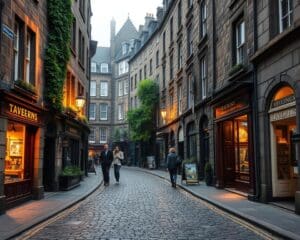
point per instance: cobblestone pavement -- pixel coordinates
(143, 206)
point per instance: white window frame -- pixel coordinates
(203, 15)
(103, 110)
(120, 89)
(120, 111)
(16, 50)
(103, 88)
(180, 99)
(93, 90)
(104, 67)
(203, 76)
(288, 15)
(93, 67)
(240, 41)
(92, 136)
(126, 87)
(103, 135)
(92, 111)
(28, 57)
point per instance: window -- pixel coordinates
(103, 89)
(203, 18)
(104, 67)
(29, 57)
(126, 87)
(93, 89)
(150, 66)
(131, 84)
(157, 79)
(123, 67)
(203, 76)
(285, 14)
(120, 92)
(145, 71)
(164, 76)
(190, 41)
(171, 29)
(141, 74)
(120, 112)
(179, 99)
(81, 47)
(171, 100)
(93, 67)
(17, 54)
(190, 91)
(82, 8)
(157, 58)
(179, 13)
(92, 136)
(239, 42)
(73, 35)
(135, 80)
(131, 102)
(164, 42)
(135, 101)
(179, 55)
(171, 67)
(103, 135)
(92, 111)
(103, 111)
(190, 3)
(124, 48)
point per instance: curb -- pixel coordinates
(44, 218)
(278, 232)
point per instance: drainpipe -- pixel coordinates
(256, 144)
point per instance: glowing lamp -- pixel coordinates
(80, 101)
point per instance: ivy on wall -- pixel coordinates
(57, 52)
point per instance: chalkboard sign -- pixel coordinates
(191, 174)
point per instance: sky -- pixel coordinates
(104, 11)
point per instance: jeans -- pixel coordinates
(117, 172)
(105, 171)
(173, 175)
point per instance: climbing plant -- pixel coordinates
(57, 52)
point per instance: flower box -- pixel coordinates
(69, 182)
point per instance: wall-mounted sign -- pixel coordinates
(8, 32)
(20, 112)
(283, 101)
(287, 113)
(230, 107)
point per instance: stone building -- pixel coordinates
(66, 138)
(22, 40)
(276, 64)
(110, 90)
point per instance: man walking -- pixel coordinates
(106, 159)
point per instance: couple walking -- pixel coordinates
(109, 158)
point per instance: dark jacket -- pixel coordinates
(172, 161)
(106, 159)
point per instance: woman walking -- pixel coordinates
(172, 163)
(118, 157)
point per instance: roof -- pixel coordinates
(102, 55)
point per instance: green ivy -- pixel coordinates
(57, 53)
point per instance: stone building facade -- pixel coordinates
(110, 90)
(22, 41)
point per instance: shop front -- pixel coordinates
(282, 122)
(22, 179)
(234, 145)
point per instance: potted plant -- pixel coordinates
(208, 173)
(70, 178)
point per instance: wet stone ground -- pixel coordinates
(143, 206)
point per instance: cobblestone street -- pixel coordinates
(143, 206)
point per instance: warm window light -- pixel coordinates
(163, 114)
(80, 101)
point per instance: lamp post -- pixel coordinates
(79, 102)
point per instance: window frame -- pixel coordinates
(103, 83)
(92, 117)
(203, 77)
(93, 91)
(288, 15)
(203, 18)
(103, 112)
(239, 44)
(100, 133)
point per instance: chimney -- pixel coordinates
(112, 29)
(159, 14)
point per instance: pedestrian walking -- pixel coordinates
(172, 164)
(117, 162)
(106, 159)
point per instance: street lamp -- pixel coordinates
(163, 113)
(79, 102)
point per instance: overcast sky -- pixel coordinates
(104, 11)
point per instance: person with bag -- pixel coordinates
(106, 159)
(117, 162)
(172, 163)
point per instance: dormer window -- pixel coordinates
(93, 67)
(124, 48)
(104, 68)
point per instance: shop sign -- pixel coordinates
(283, 101)
(21, 112)
(8, 31)
(287, 113)
(229, 108)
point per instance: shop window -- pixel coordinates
(15, 153)
(192, 141)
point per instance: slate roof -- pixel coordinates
(102, 55)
